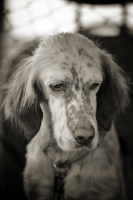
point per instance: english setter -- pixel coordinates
(65, 98)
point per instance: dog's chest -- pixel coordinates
(92, 179)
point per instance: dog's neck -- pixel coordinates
(59, 156)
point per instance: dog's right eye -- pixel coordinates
(57, 87)
(94, 86)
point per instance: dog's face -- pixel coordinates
(81, 85)
(70, 87)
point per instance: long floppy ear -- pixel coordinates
(113, 94)
(20, 99)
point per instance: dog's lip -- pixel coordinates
(78, 147)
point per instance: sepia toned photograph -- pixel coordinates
(66, 100)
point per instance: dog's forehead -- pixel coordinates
(71, 61)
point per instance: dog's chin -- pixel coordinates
(75, 147)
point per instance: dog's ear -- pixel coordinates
(20, 99)
(113, 94)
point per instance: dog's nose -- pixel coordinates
(84, 136)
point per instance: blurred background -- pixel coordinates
(22, 24)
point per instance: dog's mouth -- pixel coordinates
(70, 147)
(83, 146)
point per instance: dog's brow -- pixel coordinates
(56, 74)
(81, 51)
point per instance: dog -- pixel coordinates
(65, 98)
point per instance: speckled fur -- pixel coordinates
(50, 117)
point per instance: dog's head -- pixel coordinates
(80, 85)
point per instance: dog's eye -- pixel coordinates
(94, 86)
(57, 86)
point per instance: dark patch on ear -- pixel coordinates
(31, 116)
(39, 91)
(105, 106)
(104, 123)
(113, 93)
(30, 120)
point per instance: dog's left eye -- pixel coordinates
(94, 86)
(57, 86)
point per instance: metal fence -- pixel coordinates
(27, 20)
